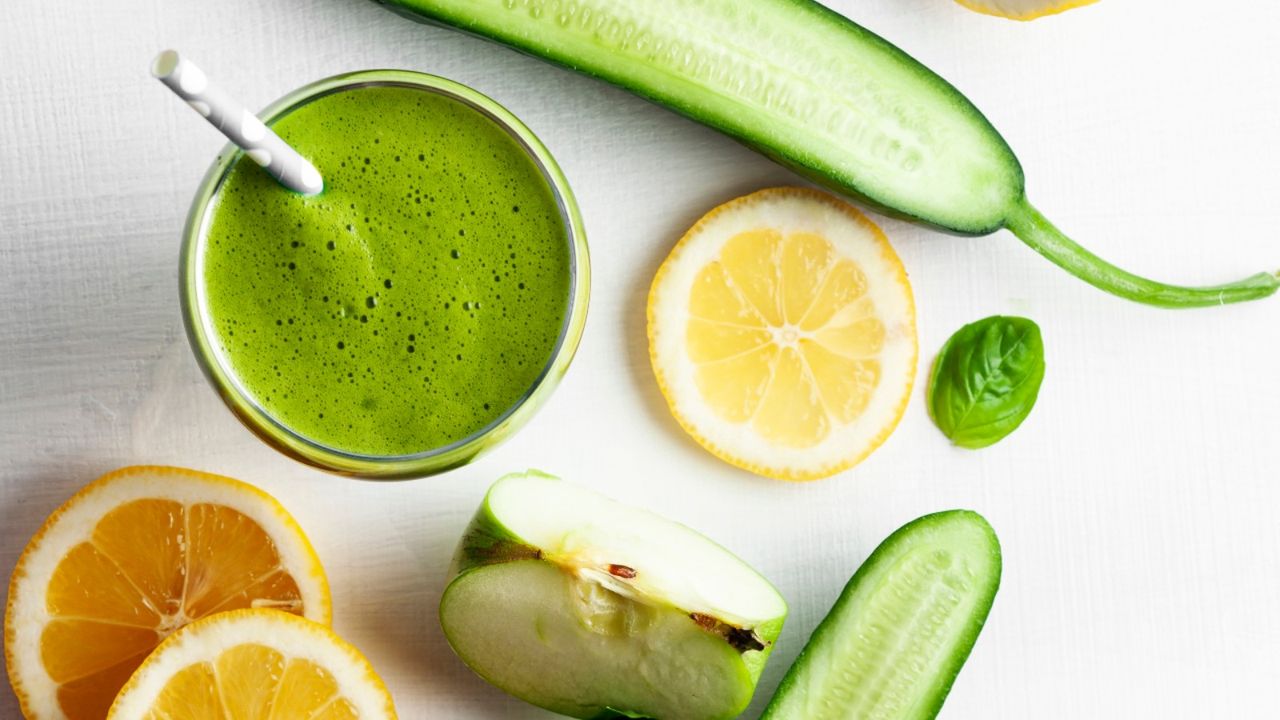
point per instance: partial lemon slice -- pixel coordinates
(1023, 9)
(782, 332)
(254, 665)
(133, 557)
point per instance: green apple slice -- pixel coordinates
(589, 608)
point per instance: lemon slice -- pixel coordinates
(782, 332)
(129, 559)
(1023, 9)
(254, 665)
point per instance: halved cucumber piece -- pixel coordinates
(794, 80)
(893, 643)
(820, 94)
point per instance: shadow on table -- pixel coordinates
(634, 327)
(396, 607)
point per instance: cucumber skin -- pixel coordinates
(996, 194)
(887, 551)
(423, 11)
(943, 86)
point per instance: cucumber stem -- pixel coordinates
(1035, 230)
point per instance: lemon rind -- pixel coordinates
(1053, 9)
(292, 636)
(781, 471)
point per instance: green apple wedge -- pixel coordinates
(593, 609)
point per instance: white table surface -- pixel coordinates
(1137, 506)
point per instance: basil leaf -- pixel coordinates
(986, 379)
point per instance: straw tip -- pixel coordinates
(312, 183)
(164, 64)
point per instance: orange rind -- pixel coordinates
(133, 557)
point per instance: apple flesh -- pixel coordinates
(589, 608)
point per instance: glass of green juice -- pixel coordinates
(417, 311)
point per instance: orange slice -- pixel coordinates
(1023, 9)
(782, 333)
(254, 665)
(131, 558)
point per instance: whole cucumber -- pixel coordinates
(820, 94)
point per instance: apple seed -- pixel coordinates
(739, 639)
(622, 571)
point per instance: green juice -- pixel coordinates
(414, 302)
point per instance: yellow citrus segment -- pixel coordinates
(75, 649)
(751, 261)
(88, 584)
(1024, 9)
(277, 590)
(254, 665)
(806, 258)
(861, 338)
(90, 696)
(713, 298)
(839, 294)
(711, 341)
(191, 694)
(155, 524)
(249, 694)
(229, 554)
(791, 413)
(735, 386)
(782, 334)
(129, 559)
(847, 385)
(304, 684)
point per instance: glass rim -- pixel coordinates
(276, 433)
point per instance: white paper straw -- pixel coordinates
(236, 122)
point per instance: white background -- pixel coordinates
(1137, 506)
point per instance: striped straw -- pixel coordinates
(239, 125)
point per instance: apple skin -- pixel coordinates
(487, 541)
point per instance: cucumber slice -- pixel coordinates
(820, 94)
(893, 643)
